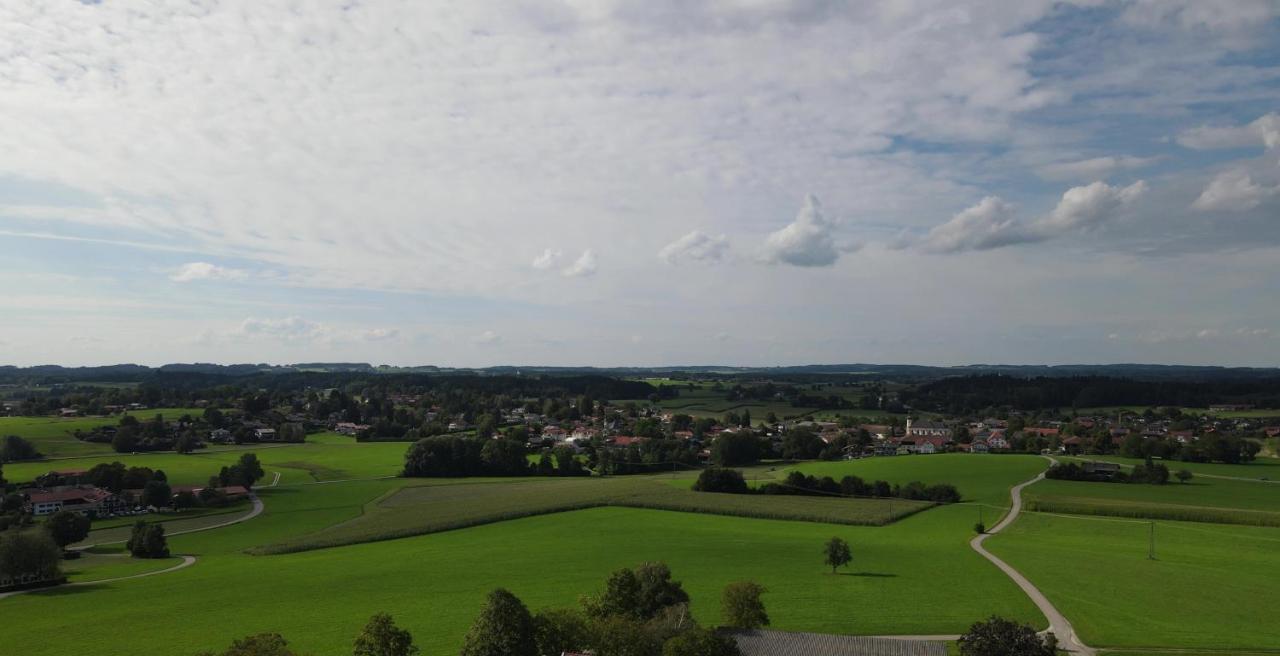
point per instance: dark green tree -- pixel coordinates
(28, 556)
(157, 493)
(66, 527)
(741, 606)
(700, 642)
(148, 541)
(837, 554)
(15, 448)
(997, 636)
(381, 637)
(504, 628)
(558, 630)
(657, 589)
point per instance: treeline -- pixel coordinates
(1209, 448)
(1152, 473)
(969, 394)
(720, 479)
(454, 457)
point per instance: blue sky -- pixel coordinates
(640, 183)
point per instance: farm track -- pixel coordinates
(187, 561)
(1058, 623)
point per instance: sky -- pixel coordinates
(605, 182)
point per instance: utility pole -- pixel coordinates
(1151, 545)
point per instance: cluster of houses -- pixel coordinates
(71, 494)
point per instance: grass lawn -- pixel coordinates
(1211, 587)
(1260, 468)
(55, 436)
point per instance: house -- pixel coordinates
(1102, 469)
(1182, 436)
(1041, 432)
(980, 447)
(624, 440)
(350, 428)
(265, 434)
(1271, 431)
(764, 642)
(82, 499)
(220, 435)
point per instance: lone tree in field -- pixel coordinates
(838, 554)
(262, 644)
(997, 636)
(504, 628)
(381, 637)
(148, 541)
(741, 605)
(1184, 476)
(66, 527)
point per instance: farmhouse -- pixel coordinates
(81, 499)
(265, 434)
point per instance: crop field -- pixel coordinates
(1261, 468)
(1203, 499)
(1191, 596)
(428, 508)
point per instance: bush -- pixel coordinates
(721, 479)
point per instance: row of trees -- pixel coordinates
(1153, 473)
(721, 479)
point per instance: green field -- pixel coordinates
(1204, 499)
(55, 437)
(434, 583)
(331, 457)
(440, 506)
(1211, 586)
(549, 541)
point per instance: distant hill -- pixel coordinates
(55, 374)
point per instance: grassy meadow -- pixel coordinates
(1192, 595)
(55, 436)
(1205, 499)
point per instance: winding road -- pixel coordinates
(1058, 623)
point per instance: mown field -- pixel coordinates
(1211, 586)
(55, 437)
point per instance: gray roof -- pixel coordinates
(783, 643)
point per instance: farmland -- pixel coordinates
(339, 520)
(922, 556)
(1097, 572)
(1203, 499)
(55, 436)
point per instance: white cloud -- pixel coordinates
(1093, 169)
(286, 329)
(808, 241)
(1236, 23)
(1087, 207)
(1233, 191)
(548, 259)
(206, 271)
(487, 337)
(585, 265)
(989, 224)
(993, 223)
(377, 334)
(695, 246)
(1264, 131)
(1208, 333)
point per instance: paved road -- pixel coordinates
(256, 510)
(1058, 624)
(187, 561)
